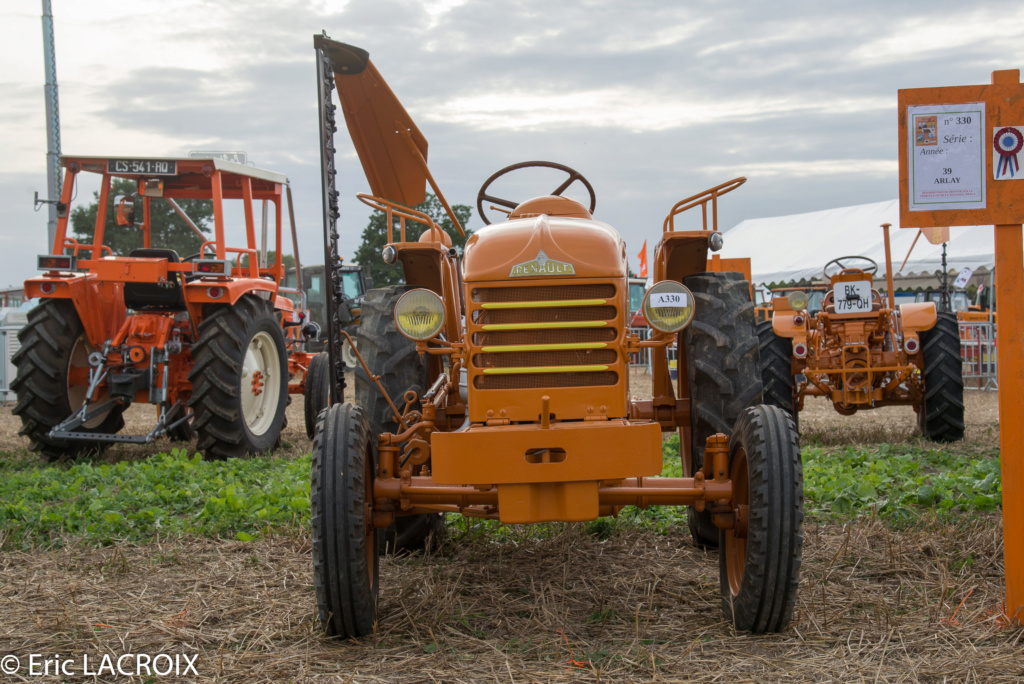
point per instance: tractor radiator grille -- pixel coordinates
(545, 336)
(535, 380)
(543, 292)
(551, 315)
(566, 357)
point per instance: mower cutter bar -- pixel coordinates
(101, 437)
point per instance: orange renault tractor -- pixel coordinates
(494, 383)
(209, 341)
(861, 351)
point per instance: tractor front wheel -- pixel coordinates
(239, 381)
(391, 355)
(759, 567)
(941, 418)
(722, 369)
(53, 371)
(317, 391)
(776, 369)
(345, 560)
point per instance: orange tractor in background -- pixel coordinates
(210, 341)
(861, 351)
(495, 383)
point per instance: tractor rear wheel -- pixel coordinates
(345, 559)
(318, 390)
(941, 418)
(776, 369)
(239, 381)
(722, 368)
(391, 355)
(52, 379)
(348, 354)
(759, 568)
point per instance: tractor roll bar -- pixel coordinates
(392, 209)
(702, 198)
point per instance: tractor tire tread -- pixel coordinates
(722, 368)
(346, 596)
(318, 387)
(774, 545)
(219, 356)
(942, 416)
(47, 341)
(776, 369)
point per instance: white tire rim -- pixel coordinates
(261, 383)
(349, 356)
(78, 364)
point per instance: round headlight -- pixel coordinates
(419, 314)
(798, 301)
(715, 241)
(388, 254)
(668, 306)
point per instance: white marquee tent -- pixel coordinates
(786, 248)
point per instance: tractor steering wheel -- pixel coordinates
(842, 264)
(573, 174)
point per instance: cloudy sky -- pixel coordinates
(651, 100)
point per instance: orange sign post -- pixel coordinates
(959, 167)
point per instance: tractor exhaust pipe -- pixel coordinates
(888, 267)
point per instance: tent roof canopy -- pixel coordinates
(797, 247)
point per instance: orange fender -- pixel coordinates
(918, 316)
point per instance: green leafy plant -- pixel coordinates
(164, 495)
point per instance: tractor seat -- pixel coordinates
(167, 296)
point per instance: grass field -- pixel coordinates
(133, 553)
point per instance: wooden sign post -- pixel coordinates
(959, 150)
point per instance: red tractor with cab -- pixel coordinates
(210, 340)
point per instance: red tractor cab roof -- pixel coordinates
(183, 177)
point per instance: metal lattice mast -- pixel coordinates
(332, 259)
(53, 180)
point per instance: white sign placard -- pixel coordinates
(669, 300)
(946, 150)
(852, 297)
(961, 280)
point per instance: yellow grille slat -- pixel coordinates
(544, 369)
(546, 326)
(545, 347)
(543, 304)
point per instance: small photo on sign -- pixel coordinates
(1007, 142)
(925, 128)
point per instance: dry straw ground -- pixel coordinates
(875, 604)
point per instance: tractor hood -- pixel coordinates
(544, 247)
